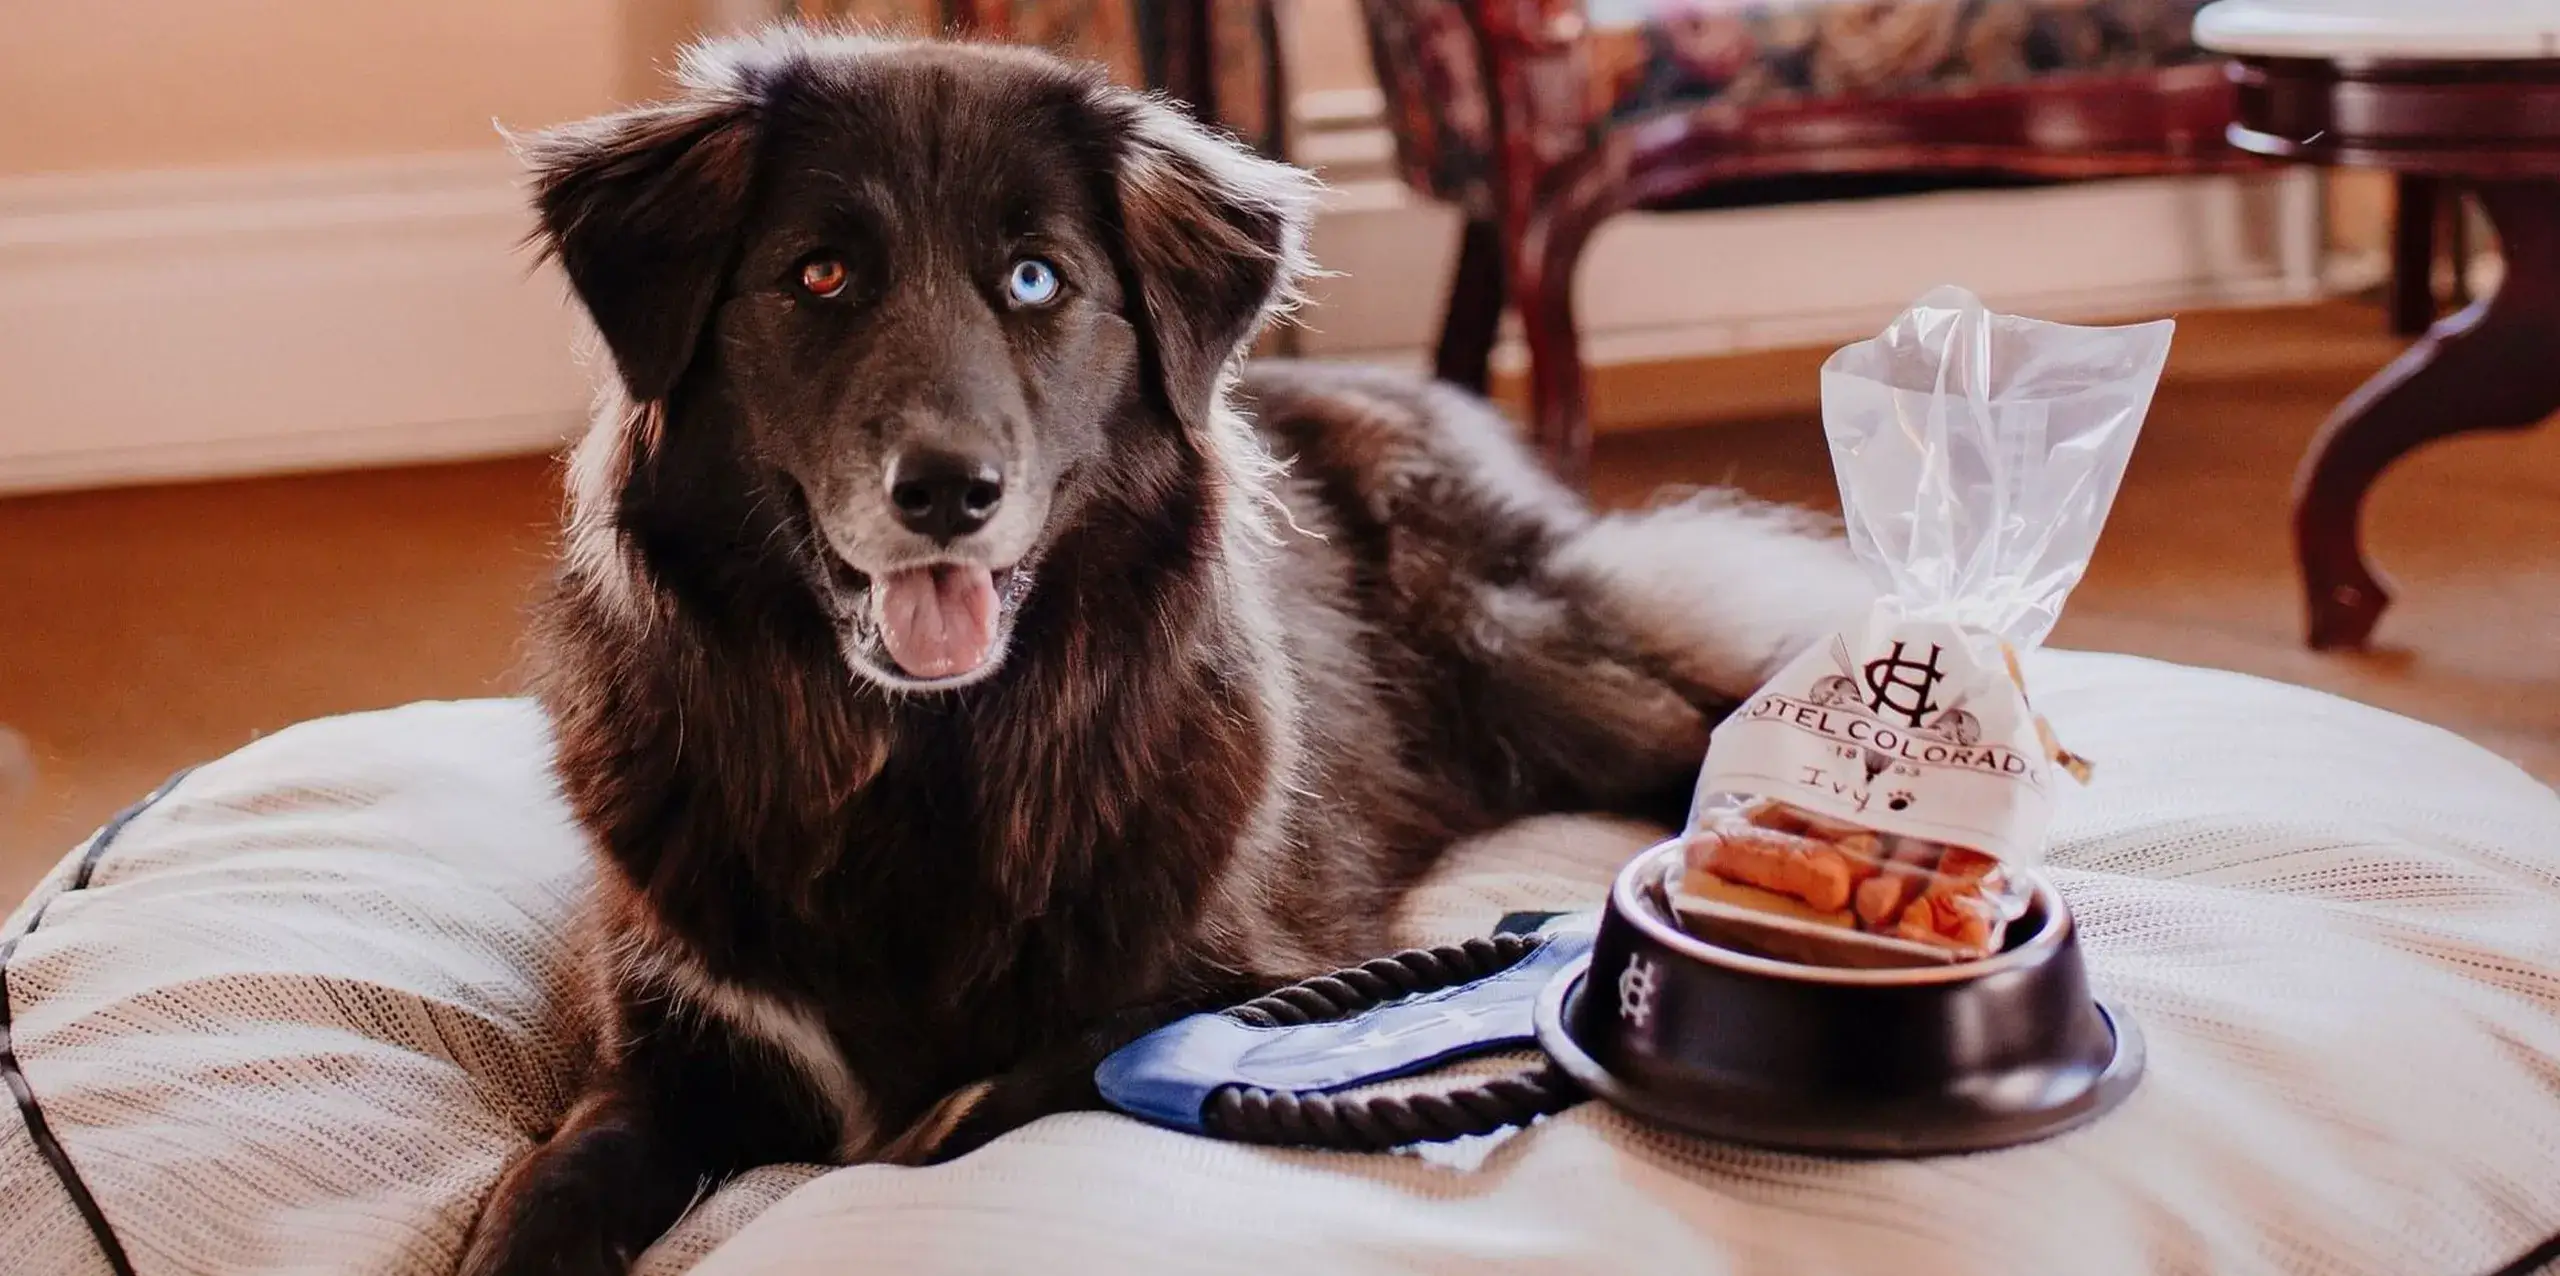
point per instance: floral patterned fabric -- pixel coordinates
(1639, 58)
(1430, 65)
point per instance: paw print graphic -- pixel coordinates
(1898, 800)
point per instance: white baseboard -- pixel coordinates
(1690, 284)
(2366, 271)
(177, 325)
(159, 326)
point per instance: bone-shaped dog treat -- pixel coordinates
(1813, 869)
(1808, 868)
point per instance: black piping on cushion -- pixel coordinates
(15, 1077)
(2544, 1257)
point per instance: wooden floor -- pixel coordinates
(144, 630)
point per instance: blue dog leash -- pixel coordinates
(1271, 1070)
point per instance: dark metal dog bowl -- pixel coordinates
(1898, 1062)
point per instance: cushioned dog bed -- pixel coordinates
(295, 1011)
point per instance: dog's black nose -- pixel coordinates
(944, 495)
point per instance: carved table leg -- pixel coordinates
(2416, 209)
(2493, 366)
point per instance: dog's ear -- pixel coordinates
(1215, 235)
(642, 210)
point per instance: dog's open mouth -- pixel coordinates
(934, 625)
(940, 620)
(927, 626)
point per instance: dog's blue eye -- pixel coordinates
(1032, 282)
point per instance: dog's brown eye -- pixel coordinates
(823, 276)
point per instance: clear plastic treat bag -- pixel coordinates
(1869, 805)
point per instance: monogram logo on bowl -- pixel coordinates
(1636, 986)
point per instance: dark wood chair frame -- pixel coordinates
(2167, 121)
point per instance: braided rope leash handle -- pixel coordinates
(1287, 1118)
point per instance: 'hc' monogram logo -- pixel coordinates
(1903, 685)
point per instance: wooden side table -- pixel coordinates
(2463, 91)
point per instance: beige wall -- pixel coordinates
(2359, 211)
(1325, 46)
(170, 83)
(147, 84)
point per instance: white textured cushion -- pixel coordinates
(304, 1005)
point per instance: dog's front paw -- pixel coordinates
(542, 1251)
(587, 1201)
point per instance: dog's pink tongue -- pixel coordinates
(938, 621)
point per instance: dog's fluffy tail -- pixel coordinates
(1716, 589)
